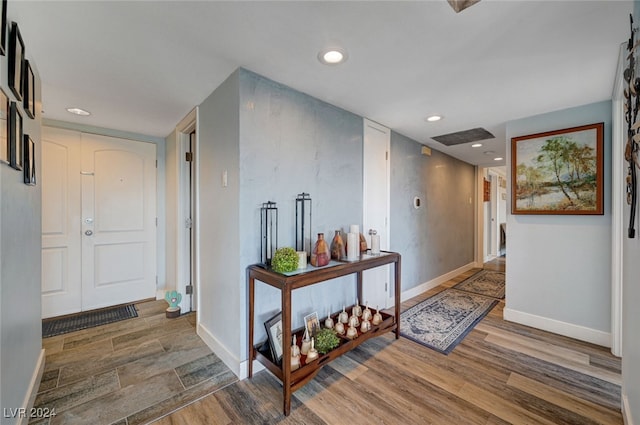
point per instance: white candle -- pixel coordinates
(354, 228)
(302, 259)
(353, 246)
(375, 244)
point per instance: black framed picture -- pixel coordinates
(29, 161)
(16, 61)
(15, 137)
(29, 91)
(4, 128)
(273, 327)
(3, 26)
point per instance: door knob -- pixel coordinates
(88, 232)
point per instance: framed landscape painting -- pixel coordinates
(558, 172)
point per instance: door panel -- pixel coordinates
(376, 182)
(118, 221)
(60, 223)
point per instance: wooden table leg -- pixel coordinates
(359, 280)
(397, 296)
(251, 292)
(286, 353)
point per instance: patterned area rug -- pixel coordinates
(89, 319)
(485, 282)
(443, 320)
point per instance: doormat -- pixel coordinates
(485, 282)
(89, 319)
(442, 321)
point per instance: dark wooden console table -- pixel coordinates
(293, 380)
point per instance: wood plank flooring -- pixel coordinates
(128, 372)
(502, 373)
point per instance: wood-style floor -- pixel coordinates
(128, 372)
(135, 371)
(502, 373)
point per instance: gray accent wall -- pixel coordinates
(439, 236)
(276, 142)
(292, 143)
(20, 270)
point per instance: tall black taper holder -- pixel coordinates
(303, 223)
(268, 231)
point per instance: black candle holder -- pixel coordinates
(303, 223)
(268, 231)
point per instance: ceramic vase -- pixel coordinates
(377, 318)
(328, 323)
(313, 353)
(357, 310)
(343, 317)
(366, 313)
(363, 244)
(365, 326)
(338, 251)
(320, 255)
(352, 332)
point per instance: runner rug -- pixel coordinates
(442, 321)
(89, 319)
(485, 282)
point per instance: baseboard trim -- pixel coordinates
(30, 396)
(562, 328)
(219, 349)
(423, 287)
(626, 411)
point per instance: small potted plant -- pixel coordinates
(326, 340)
(284, 260)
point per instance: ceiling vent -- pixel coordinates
(466, 136)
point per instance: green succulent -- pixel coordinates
(284, 260)
(326, 340)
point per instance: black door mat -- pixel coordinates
(89, 319)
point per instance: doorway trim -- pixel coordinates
(187, 259)
(617, 202)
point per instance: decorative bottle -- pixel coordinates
(338, 251)
(320, 255)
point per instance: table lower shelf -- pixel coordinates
(308, 371)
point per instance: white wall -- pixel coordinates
(559, 272)
(220, 311)
(631, 301)
(21, 356)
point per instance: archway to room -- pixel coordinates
(492, 212)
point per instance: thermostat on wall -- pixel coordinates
(417, 202)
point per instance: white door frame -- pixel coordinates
(617, 201)
(385, 241)
(186, 258)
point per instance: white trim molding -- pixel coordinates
(578, 332)
(626, 411)
(32, 391)
(617, 202)
(237, 366)
(423, 287)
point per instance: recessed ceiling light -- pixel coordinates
(79, 111)
(489, 152)
(498, 158)
(476, 145)
(332, 56)
(434, 118)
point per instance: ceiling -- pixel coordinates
(141, 66)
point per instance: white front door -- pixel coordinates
(98, 221)
(118, 221)
(60, 179)
(376, 182)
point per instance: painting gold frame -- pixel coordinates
(559, 172)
